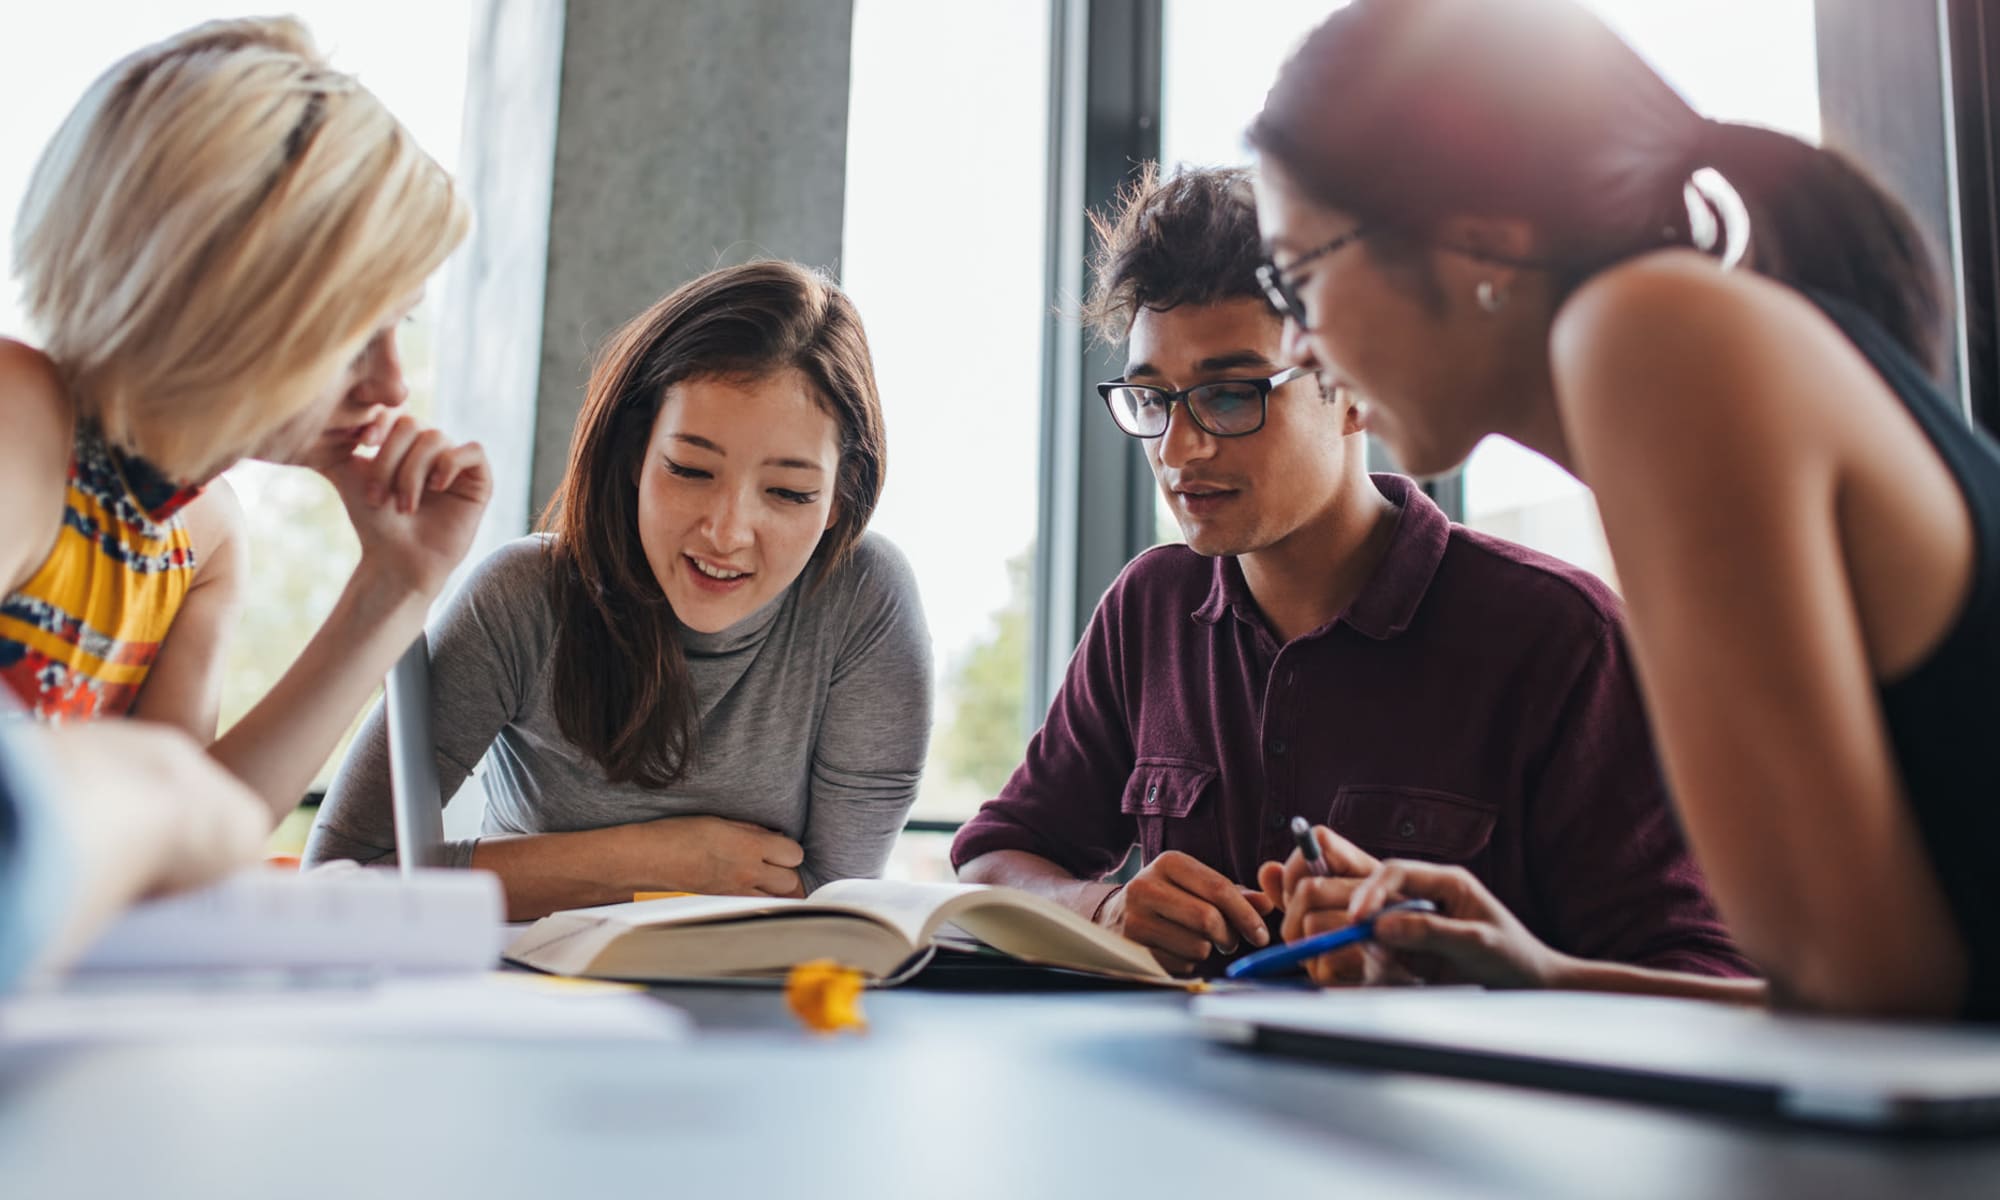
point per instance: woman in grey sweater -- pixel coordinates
(703, 676)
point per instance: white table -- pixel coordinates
(949, 1094)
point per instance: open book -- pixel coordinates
(882, 928)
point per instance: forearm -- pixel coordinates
(1589, 975)
(1033, 873)
(547, 872)
(119, 848)
(278, 747)
(143, 811)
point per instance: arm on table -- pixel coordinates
(1718, 448)
(414, 506)
(105, 814)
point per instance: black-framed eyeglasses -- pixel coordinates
(1281, 290)
(1224, 408)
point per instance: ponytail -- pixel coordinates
(1820, 224)
(1405, 113)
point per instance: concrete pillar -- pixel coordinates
(615, 149)
(490, 332)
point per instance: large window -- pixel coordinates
(947, 167)
(413, 56)
(1214, 71)
(1732, 60)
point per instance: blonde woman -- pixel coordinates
(215, 251)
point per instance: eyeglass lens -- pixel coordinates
(1219, 408)
(1279, 291)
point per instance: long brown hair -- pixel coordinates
(620, 680)
(1406, 112)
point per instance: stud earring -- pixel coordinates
(1490, 295)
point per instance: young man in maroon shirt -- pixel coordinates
(1328, 645)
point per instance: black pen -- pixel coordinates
(1302, 832)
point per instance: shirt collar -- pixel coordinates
(748, 632)
(156, 497)
(1388, 602)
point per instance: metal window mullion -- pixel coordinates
(1883, 101)
(1970, 58)
(1096, 492)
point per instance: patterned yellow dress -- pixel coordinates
(78, 638)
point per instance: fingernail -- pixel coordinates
(1262, 937)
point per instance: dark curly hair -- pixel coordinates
(1188, 239)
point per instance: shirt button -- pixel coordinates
(1277, 745)
(1407, 829)
(1291, 677)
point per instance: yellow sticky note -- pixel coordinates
(825, 996)
(637, 897)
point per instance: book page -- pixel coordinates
(913, 909)
(677, 937)
(1036, 929)
(1015, 922)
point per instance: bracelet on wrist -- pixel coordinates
(1103, 900)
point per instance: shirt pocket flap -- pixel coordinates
(1165, 787)
(1412, 822)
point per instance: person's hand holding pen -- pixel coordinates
(1313, 887)
(1471, 938)
(1183, 911)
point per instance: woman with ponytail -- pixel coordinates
(1491, 216)
(705, 675)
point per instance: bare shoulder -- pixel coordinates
(1668, 353)
(34, 457)
(1658, 307)
(217, 526)
(40, 420)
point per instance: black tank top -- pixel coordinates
(1944, 715)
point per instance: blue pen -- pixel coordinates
(1278, 958)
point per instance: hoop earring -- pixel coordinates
(1490, 295)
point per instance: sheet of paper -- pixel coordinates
(357, 919)
(490, 1005)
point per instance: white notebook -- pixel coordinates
(1719, 1057)
(427, 1008)
(359, 919)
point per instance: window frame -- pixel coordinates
(1096, 490)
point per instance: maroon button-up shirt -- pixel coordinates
(1474, 705)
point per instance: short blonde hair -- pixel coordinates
(218, 227)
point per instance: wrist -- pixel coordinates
(1101, 912)
(618, 863)
(652, 856)
(382, 594)
(1563, 972)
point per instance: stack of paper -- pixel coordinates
(489, 1005)
(343, 921)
